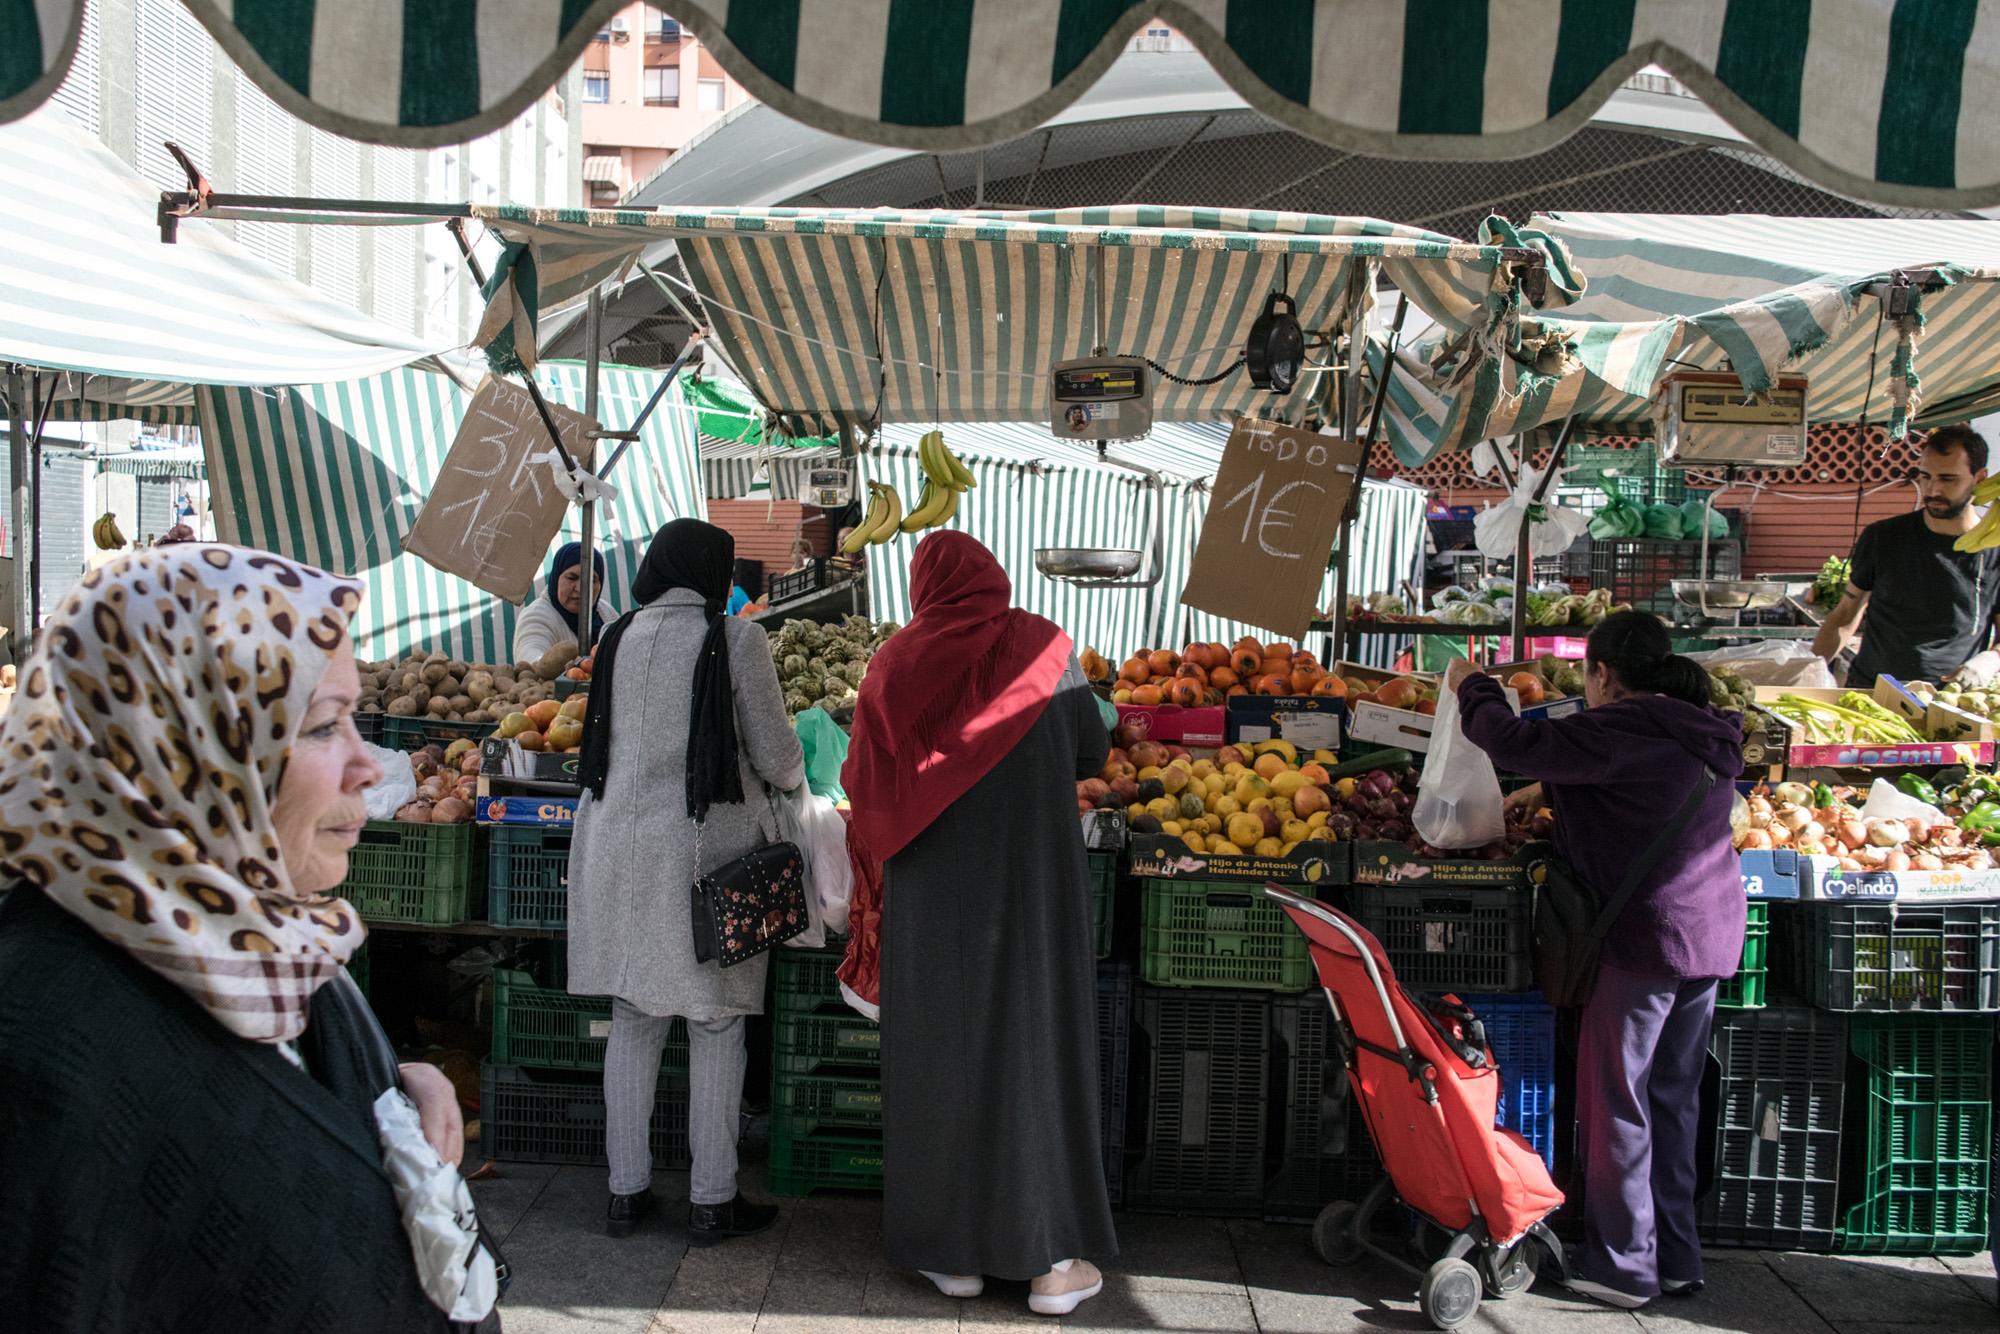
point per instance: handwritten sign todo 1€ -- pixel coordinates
(495, 508)
(1272, 516)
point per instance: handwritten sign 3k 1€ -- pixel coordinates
(495, 507)
(1272, 517)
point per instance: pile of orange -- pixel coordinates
(1208, 674)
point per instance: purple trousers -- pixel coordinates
(1638, 1101)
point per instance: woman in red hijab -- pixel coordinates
(973, 725)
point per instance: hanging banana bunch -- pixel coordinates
(945, 480)
(1987, 532)
(106, 535)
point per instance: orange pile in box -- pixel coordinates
(1208, 674)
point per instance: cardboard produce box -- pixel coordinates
(1383, 862)
(1311, 722)
(527, 810)
(1821, 879)
(1183, 727)
(1939, 722)
(1165, 857)
(1410, 730)
(504, 758)
(1770, 873)
(1554, 706)
(1806, 754)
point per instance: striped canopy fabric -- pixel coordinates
(864, 316)
(335, 475)
(1753, 295)
(1036, 491)
(87, 287)
(187, 461)
(1887, 100)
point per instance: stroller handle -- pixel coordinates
(1300, 903)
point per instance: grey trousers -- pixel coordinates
(631, 1079)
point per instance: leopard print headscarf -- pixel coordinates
(140, 760)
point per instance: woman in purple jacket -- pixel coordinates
(1613, 774)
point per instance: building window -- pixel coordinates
(596, 87)
(663, 86)
(660, 28)
(709, 95)
(1159, 32)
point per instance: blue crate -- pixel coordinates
(1521, 1030)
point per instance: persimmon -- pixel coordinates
(1528, 686)
(1148, 695)
(1197, 654)
(1192, 671)
(1223, 677)
(1234, 691)
(1134, 669)
(1125, 684)
(1304, 659)
(1163, 661)
(1330, 687)
(1246, 662)
(1304, 679)
(1274, 684)
(1278, 650)
(1185, 692)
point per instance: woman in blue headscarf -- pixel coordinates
(551, 619)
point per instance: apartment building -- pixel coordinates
(647, 87)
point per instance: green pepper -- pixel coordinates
(1822, 795)
(1982, 819)
(1914, 785)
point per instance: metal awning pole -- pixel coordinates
(1523, 570)
(22, 512)
(593, 333)
(631, 433)
(456, 226)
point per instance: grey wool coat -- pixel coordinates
(632, 856)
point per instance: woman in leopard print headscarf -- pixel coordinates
(187, 1139)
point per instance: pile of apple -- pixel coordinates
(547, 725)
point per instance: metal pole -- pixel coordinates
(631, 433)
(22, 512)
(457, 229)
(1522, 563)
(593, 332)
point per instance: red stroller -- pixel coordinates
(1428, 1088)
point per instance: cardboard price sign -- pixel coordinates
(1272, 517)
(495, 507)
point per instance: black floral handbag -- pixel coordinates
(745, 907)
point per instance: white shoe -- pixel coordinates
(1061, 1291)
(1624, 1301)
(956, 1285)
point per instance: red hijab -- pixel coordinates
(949, 695)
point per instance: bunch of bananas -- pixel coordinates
(945, 479)
(1987, 532)
(105, 533)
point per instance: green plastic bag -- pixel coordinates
(1663, 522)
(1691, 521)
(1107, 711)
(825, 746)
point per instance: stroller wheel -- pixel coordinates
(1450, 1294)
(1334, 1239)
(1506, 1272)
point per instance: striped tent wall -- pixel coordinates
(1032, 494)
(335, 475)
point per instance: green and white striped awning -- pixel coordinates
(335, 474)
(1753, 295)
(1037, 491)
(1888, 100)
(863, 316)
(87, 288)
(187, 462)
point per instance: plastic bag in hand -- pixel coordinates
(1458, 799)
(810, 822)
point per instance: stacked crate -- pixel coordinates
(826, 1081)
(1777, 1135)
(1200, 1063)
(542, 1087)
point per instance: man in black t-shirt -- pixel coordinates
(1929, 607)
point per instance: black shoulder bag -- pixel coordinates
(1571, 919)
(745, 907)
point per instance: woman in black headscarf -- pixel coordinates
(554, 617)
(654, 765)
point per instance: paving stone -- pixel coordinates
(812, 1301)
(838, 1233)
(1882, 1289)
(502, 1200)
(1162, 1253)
(1144, 1309)
(572, 1279)
(1736, 1296)
(1976, 1270)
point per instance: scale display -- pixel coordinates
(1100, 398)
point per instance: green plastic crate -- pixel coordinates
(547, 1028)
(417, 873)
(801, 1164)
(805, 1044)
(807, 981)
(1917, 1168)
(803, 1104)
(1207, 933)
(1745, 991)
(1635, 472)
(357, 968)
(1103, 892)
(416, 733)
(527, 875)
(1893, 956)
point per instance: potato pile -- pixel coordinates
(447, 784)
(431, 685)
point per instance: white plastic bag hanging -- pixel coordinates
(811, 823)
(398, 787)
(1551, 528)
(1458, 798)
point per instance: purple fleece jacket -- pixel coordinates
(1614, 774)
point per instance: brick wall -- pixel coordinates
(765, 530)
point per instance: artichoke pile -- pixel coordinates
(822, 665)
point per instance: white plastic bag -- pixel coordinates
(811, 822)
(398, 787)
(1887, 802)
(1551, 531)
(1458, 799)
(454, 1270)
(1775, 662)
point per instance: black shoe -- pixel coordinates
(712, 1224)
(1681, 1287)
(626, 1211)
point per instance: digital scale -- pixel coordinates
(1101, 399)
(829, 488)
(1707, 421)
